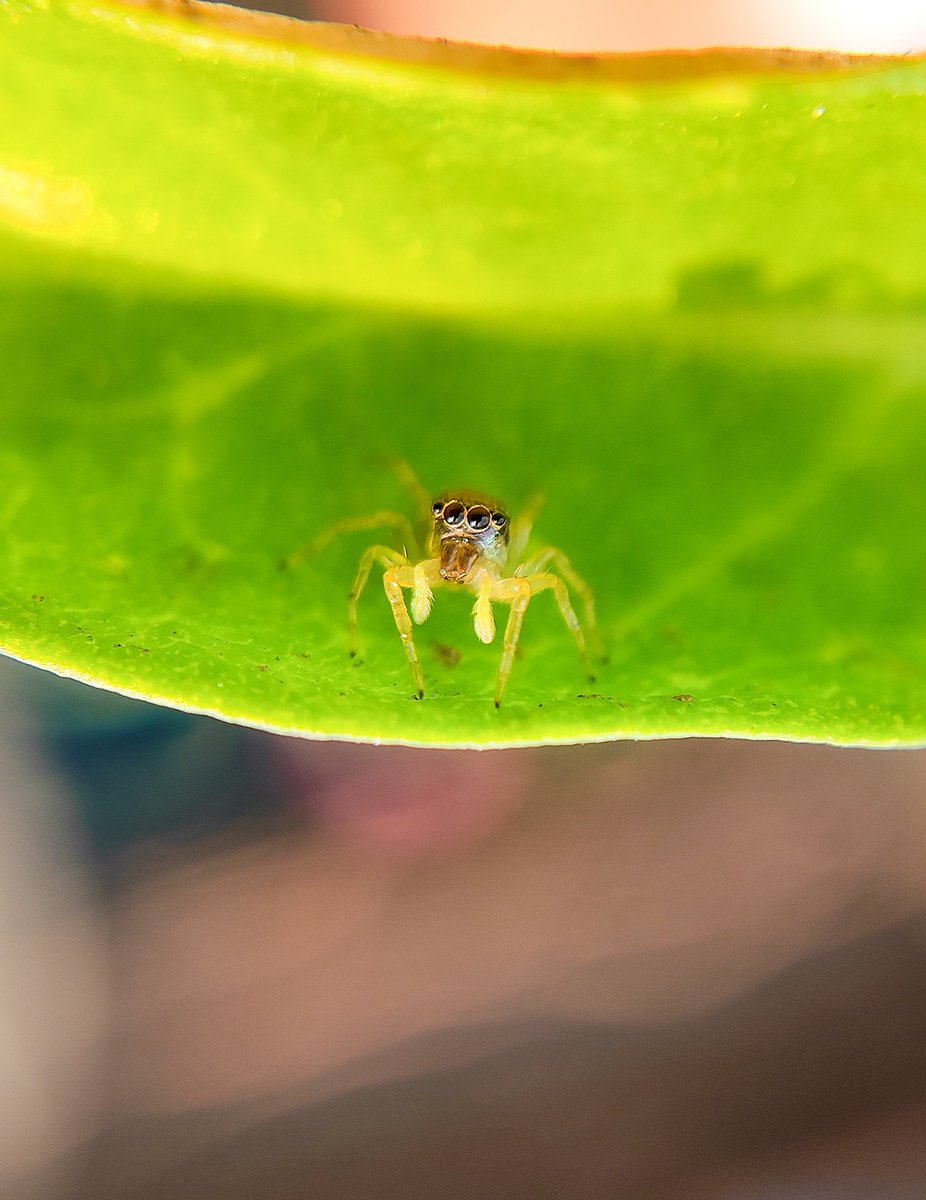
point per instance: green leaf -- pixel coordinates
(245, 262)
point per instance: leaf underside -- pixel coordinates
(241, 272)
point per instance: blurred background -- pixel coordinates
(235, 965)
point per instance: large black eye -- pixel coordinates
(500, 520)
(437, 508)
(478, 517)
(454, 513)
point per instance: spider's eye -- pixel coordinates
(500, 520)
(437, 508)
(478, 517)
(454, 513)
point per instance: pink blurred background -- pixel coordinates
(894, 26)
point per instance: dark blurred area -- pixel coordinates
(235, 965)
(137, 771)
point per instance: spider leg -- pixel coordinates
(394, 580)
(546, 582)
(423, 575)
(483, 617)
(521, 527)
(401, 526)
(550, 556)
(409, 480)
(516, 592)
(419, 493)
(386, 557)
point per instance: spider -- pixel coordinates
(466, 540)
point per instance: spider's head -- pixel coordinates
(468, 529)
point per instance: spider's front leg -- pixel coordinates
(387, 558)
(393, 581)
(399, 573)
(516, 592)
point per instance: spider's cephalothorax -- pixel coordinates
(469, 542)
(469, 529)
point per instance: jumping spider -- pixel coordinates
(468, 540)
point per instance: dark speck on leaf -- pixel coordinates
(449, 656)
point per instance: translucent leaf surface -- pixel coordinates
(245, 261)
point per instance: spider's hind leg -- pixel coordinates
(400, 525)
(547, 582)
(405, 473)
(521, 526)
(559, 562)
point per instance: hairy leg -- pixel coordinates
(550, 556)
(483, 617)
(423, 574)
(409, 480)
(394, 580)
(386, 557)
(400, 525)
(547, 582)
(517, 593)
(521, 526)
